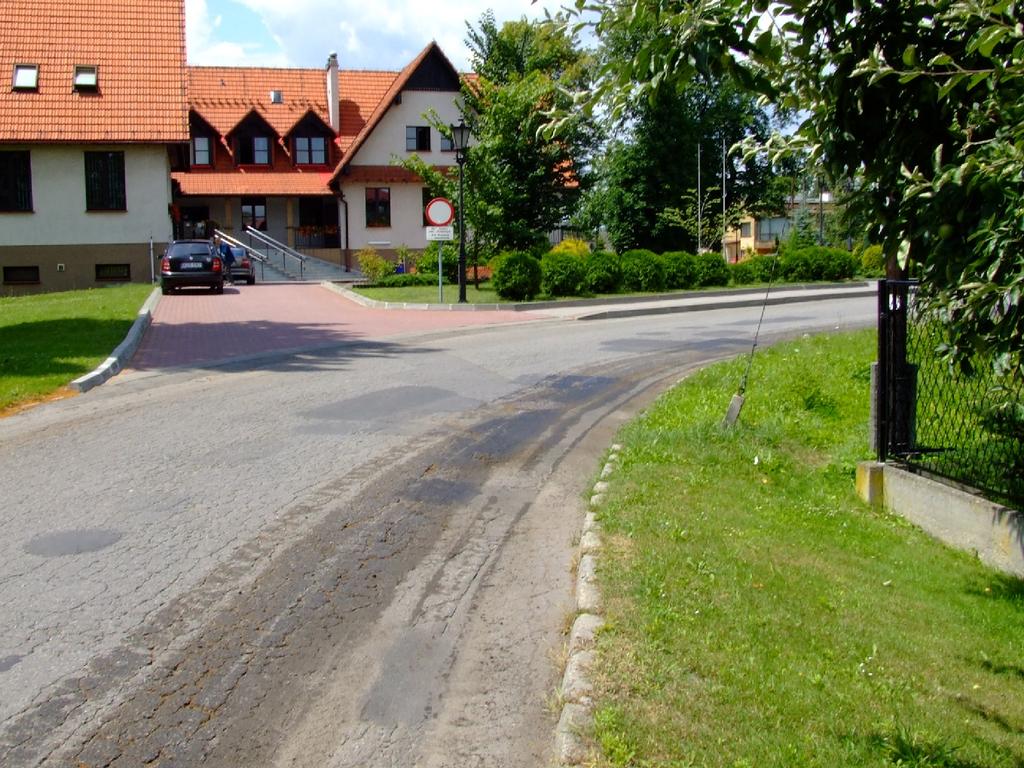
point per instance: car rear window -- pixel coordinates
(188, 249)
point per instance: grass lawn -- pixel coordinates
(48, 340)
(427, 294)
(759, 614)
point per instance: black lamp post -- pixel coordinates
(460, 140)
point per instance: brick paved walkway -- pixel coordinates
(193, 327)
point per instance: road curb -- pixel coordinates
(574, 732)
(728, 304)
(365, 301)
(124, 351)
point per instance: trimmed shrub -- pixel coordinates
(517, 276)
(872, 261)
(573, 246)
(373, 265)
(711, 269)
(818, 263)
(642, 270)
(406, 279)
(742, 273)
(680, 269)
(604, 272)
(426, 264)
(562, 274)
(757, 269)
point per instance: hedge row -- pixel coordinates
(565, 272)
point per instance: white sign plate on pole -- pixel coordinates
(441, 233)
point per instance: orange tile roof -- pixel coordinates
(240, 182)
(225, 95)
(391, 174)
(138, 48)
(360, 92)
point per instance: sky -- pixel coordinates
(366, 34)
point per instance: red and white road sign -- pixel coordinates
(440, 212)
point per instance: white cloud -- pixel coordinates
(381, 35)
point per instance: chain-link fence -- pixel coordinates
(964, 426)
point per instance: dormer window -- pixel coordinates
(87, 78)
(201, 154)
(254, 150)
(310, 150)
(26, 77)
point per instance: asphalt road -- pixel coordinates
(355, 556)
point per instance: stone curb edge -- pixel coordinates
(714, 301)
(124, 351)
(727, 304)
(572, 734)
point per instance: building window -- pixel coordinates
(447, 145)
(769, 229)
(254, 213)
(87, 78)
(378, 206)
(745, 229)
(21, 275)
(15, 181)
(113, 273)
(254, 150)
(310, 150)
(201, 154)
(104, 181)
(417, 138)
(26, 77)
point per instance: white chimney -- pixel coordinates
(333, 106)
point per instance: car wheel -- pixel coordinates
(251, 280)
(219, 288)
(165, 290)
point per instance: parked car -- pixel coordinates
(188, 263)
(243, 268)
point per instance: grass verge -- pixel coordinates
(760, 615)
(48, 340)
(427, 294)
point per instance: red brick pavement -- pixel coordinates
(194, 327)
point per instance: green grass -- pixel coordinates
(427, 294)
(759, 614)
(48, 340)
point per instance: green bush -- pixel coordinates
(872, 261)
(817, 262)
(517, 276)
(373, 265)
(711, 269)
(426, 264)
(573, 246)
(407, 279)
(642, 270)
(604, 272)
(680, 269)
(562, 273)
(757, 269)
(743, 273)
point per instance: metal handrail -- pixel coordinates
(285, 250)
(262, 258)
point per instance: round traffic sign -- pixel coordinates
(440, 212)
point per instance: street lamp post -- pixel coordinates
(460, 141)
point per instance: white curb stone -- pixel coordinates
(576, 685)
(584, 631)
(573, 726)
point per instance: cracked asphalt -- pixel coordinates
(355, 555)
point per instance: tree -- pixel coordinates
(923, 102)
(526, 182)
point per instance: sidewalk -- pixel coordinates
(195, 329)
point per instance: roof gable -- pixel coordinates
(138, 49)
(431, 67)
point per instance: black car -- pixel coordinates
(243, 267)
(188, 263)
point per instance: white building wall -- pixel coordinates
(388, 138)
(58, 199)
(406, 218)
(384, 145)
